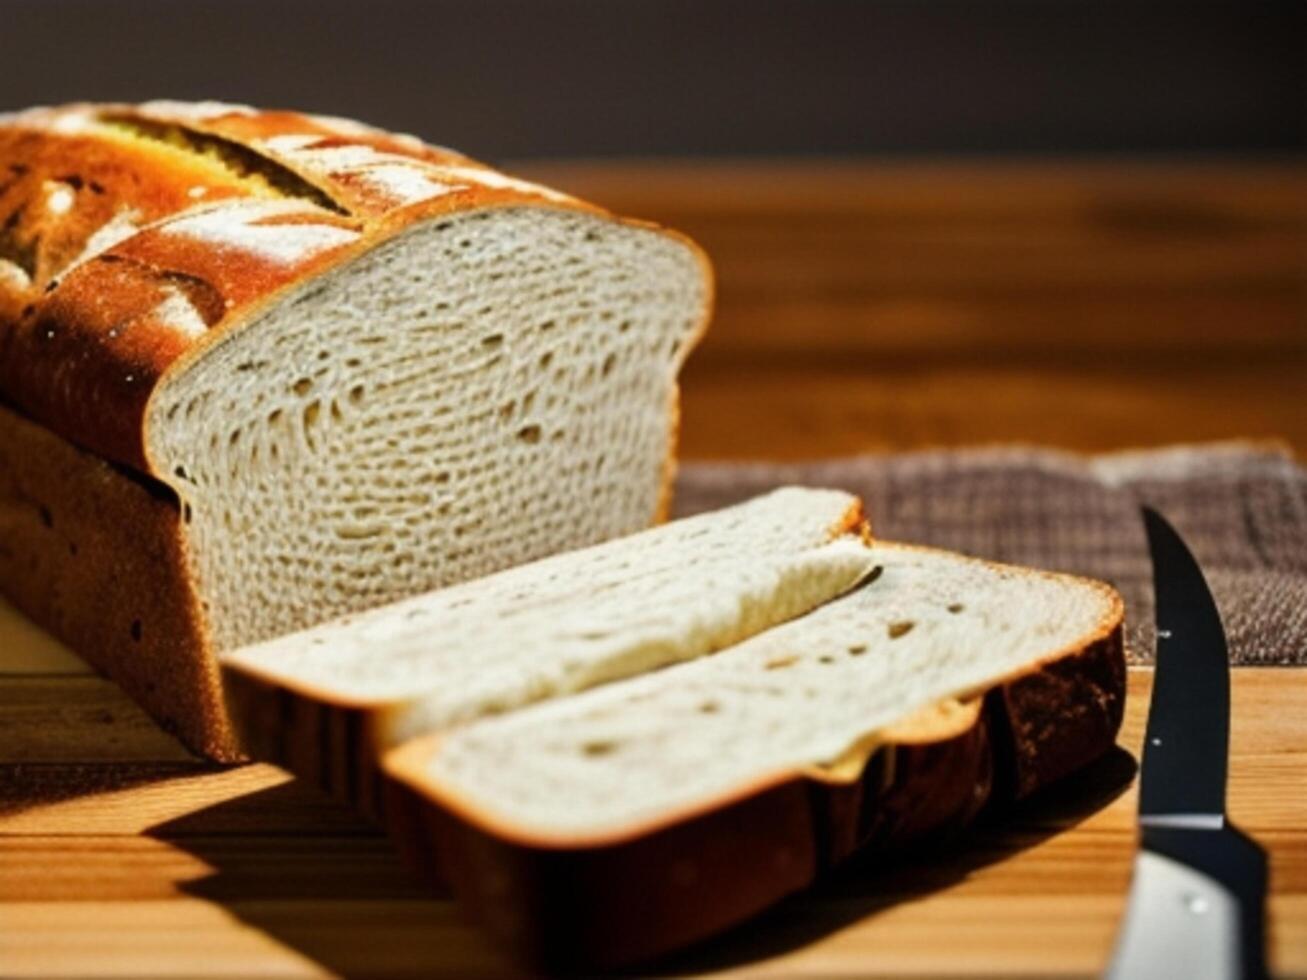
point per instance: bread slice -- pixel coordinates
(326, 701)
(627, 820)
(315, 367)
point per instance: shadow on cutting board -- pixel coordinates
(341, 897)
(307, 872)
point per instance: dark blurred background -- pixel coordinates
(520, 78)
(1074, 222)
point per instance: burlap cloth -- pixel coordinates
(1241, 508)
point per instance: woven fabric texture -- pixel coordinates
(1242, 509)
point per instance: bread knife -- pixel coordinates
(1196, 903)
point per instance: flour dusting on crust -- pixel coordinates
(14, 275)
(179, 313)
(234, 225)
(493, 178)
(400, 180)
(404, 184)
(198, 111)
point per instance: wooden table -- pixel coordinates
(888, 307)
(861, 307)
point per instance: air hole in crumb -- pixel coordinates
(311, 412)
(780, 662)
(529, 434)
(546, 358)
(274, 416)
(355, 394)
(624, 326)
(857, 649)
(506, 410)
(609, 363)
(335, 411)
(825, 659)
(709, 708)
(898, 629)
(179, 472)
(599, 747)
(302, 386)
(136, 630)
(955, 607)
(492, 342)
(186, 513)
(547, 326)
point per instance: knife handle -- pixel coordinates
(1178, 923)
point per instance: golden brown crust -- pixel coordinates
(94, 555)
(83, 341)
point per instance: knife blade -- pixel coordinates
(1197, 896)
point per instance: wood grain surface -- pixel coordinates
(862, 306)
(1093, 306)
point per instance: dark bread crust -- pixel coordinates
(94, 555)
(1061, 717)
(637, 897)
(333, 746)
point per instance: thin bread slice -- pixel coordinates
(322, 701)
(627, 820)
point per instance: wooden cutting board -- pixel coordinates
(120, 855)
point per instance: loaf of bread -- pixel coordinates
(262, 369)
(614, 752)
